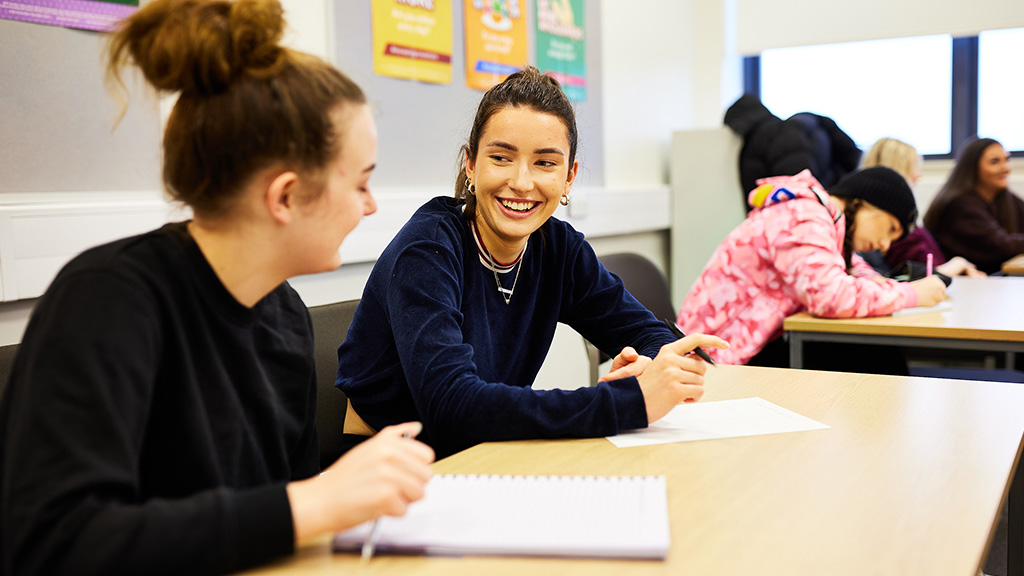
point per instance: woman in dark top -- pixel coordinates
(975, 215)
(160, 413)
(460, 309)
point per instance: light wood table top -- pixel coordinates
(909, 479)
(1014, 266)
(990, 309)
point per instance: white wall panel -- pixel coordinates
(37, 239)
(763, 24)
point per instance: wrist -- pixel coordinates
(307, 517)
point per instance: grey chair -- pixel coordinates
(7, 354)
(330, 325)
(646, 283)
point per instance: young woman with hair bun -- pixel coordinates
(160, 413)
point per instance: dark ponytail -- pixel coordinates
(527, 88)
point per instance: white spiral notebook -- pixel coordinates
(577, 516)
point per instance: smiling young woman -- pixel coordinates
(461, 308)
(975, 215)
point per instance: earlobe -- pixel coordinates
(279, 197)
(470, 166)
(571, 176)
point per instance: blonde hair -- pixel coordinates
(895, 154)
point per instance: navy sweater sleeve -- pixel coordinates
(600, 308)
(109, 465)
(433, 340)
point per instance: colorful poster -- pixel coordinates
(561, 45)
(412, 39)
(86, 14)
(495, 40)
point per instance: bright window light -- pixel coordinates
(1000, 87)
(900, 88)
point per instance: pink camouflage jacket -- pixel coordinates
(787, 256)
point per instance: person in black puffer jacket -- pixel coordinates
(774, 147)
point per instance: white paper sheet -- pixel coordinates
(722, 419)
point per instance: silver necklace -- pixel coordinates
(506, 293)
(495, 267)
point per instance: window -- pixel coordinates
(930, 91)
(898, 88)
(1001, 86)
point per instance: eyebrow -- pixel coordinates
(549, 151)
(513, 148)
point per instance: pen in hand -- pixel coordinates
(679, 334)
(371, 542)
(371, 539)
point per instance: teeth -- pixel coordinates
(517, 206)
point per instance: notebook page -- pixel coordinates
(608, 517)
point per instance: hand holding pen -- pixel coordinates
(679, 334)
(675, 376)
(370, 544)
(379, 477)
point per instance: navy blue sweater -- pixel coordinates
(433, 340)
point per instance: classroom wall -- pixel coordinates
(660, 66)
(628, 213)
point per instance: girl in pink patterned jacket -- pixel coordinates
(794, 252)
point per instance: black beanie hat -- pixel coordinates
(883, 187)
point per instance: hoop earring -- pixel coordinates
(470, 188)
(564, 201)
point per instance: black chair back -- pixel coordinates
(646, 283)
(7, 354)
(330, 325)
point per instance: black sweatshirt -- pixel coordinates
(152, 422)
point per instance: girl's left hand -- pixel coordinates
(958, 265)
(627, 363)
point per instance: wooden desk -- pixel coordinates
(909, 480)
(987, 314)
(1014, 266)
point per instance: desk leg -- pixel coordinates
(796, 350)
(1015, 526)
(1011, 360)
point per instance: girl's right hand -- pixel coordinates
(380, 476)
(930, 290)
(675, 375)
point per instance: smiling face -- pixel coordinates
(520, 172)
(875, 229)
(345, 197)
(993, 171)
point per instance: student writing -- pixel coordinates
(918, 245)
(160, 413)
(795, 252)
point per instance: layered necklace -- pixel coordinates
(497, 267)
